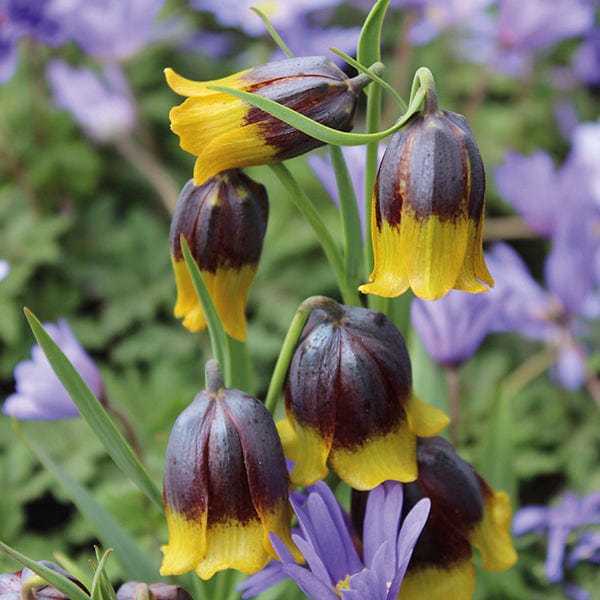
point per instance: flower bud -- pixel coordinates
(428, 209)
(349, 399)
(465, 512)
(225, 485)
(224, 223)
(225, 132)
(133, 590)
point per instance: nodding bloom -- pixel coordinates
(225, 485)
(349, 400)
(39, 393)
(225, 133)
(335, 569)
(428, 208)
(224, 223)
(465, 512)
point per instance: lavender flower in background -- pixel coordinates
(533, 187)
(436, 16)
(334, 567)
(586, 61)
(453, 327)
(4, 268)
(39, 394)
(303, 24)
(509, 39)
(559, 524)
(24, 18)
(283, 15)
(109, 30)
(100, 103)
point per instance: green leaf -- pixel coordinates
(101, 587)
(109, 531)
(218, 338)
(369, 42)
(60, 582)
(272, 32)
(93, 413)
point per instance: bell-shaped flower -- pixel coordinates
(349, 399)
(465, 512)
(225, 484)
(224, 223)
(428, 208)
(225, 132)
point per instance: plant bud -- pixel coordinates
(428, 209)
(225, 133)
(224, 223)
(465, 512)
(225, 485)
(349, 399)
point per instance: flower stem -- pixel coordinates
(453, 383)
(307, 208)
(289, 346)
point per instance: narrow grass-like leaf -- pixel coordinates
(369, 42)
(61, 583)
(101, 586)
(93, 413)
(351, 225)
(218, 337)
(109, 531)
(272, 31)
(308, 210)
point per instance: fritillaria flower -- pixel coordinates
(465, 512)
(224, 223)
(39, 393)
(334, 568)
(225, 484)
(428, 209)
(349, 400)
(225, 133)
(134, 590)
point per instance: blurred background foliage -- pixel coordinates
(86, 237)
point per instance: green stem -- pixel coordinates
(239, 361)
(307, 208)
(289, 346)
(350, 216)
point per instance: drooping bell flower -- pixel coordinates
(224, 223)
(428, 209)
(225, 485)
(465, 512)
(349, 400)
(225, 132)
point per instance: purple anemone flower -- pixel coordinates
(334, 568)
(436, 16)
(453, 327)
(101, 104)
(39, 394)
(283, 15)
(509, 39)
(110, 30)
(558, 523)
(586, 61)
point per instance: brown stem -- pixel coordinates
(507, 228)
